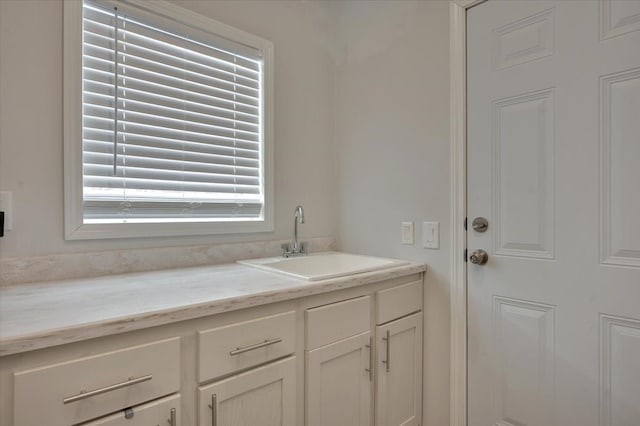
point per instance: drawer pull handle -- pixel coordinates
(388, 344)
(89, 394)
(214, 409)
(244, 349)
(370, 369)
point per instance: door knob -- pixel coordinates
(479, 257)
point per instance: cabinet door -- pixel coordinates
(339, 381)
(264, 396)
(399, 372)
(164, 412)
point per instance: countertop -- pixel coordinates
(41, 315)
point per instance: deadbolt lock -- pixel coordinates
(479, 257)
(480, 224)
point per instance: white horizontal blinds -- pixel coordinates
(172, 124)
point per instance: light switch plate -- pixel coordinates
(407, 233)
(431, 235)
(6, 205)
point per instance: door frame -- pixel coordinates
(458, 286)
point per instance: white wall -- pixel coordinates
(392, 153)
(361, 130)
(31, 121)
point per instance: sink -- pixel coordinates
(321, 266)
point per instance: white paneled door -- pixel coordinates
(554, 167)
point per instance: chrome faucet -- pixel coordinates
(299, 249)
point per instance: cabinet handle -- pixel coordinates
(243, 349)
(89, 394)
(172, 420)
(388, 360)
(370, 369)
(214, 410)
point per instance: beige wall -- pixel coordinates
(361, 133)
(392, 153)
(31, 121)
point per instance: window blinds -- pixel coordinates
(171, 123)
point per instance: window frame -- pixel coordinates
(75, 228)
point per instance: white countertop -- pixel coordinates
(36, 316)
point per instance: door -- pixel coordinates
(264, 396)
(554, 167)
(339, 382)
(399, 372)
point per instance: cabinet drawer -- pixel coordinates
(337, 321)
(87, 388)
(165, 412)
(234, 347)
(398, 301)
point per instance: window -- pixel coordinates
(167, 123)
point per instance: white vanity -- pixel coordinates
(219, 345)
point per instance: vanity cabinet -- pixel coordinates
(339, 359)
(398, 399)
(348, 371)
(351, 356)
(264, 395)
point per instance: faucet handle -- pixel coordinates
(303, 247)
(286, 248)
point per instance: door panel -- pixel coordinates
(619, 17)
(524, 361)
(620, 172)
(620, 379)
(399, 372)
(264, 396)
(523, 146)
(554, 165)
(338, 383)
(524, 40)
